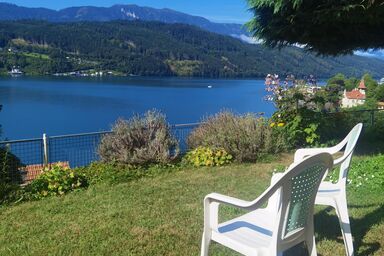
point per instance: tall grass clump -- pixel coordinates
(246, 137)
(140, 140)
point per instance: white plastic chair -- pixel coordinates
(270, 230)
(334, 194)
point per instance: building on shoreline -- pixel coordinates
(355, 97)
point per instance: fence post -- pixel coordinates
(45, 150)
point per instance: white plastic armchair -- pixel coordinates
(271, 230)
(334, 194)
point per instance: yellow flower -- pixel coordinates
(272, 124)
(280, 124)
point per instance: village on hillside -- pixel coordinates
(343, 97)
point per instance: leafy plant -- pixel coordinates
(364, 173)
(312, 136)
(9, 192)
(140, 140)
(110, 172)
(9, 167)
(246, 138)
(300, 112)
(205, 156)
(56, 180)
(10, 176)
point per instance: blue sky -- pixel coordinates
(215, 10)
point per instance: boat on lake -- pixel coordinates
(15, 72)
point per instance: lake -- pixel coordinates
(59, 106)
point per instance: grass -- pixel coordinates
(163, 215)
(36, 55)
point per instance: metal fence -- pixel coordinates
(368, 117)
(75, 150)
(79, 150)
(29, 154)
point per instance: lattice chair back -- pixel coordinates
(298, 191)
(352, 138)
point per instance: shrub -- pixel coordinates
(56, 180)
(140, 140)
(109, 172)
(301, 126)
(246, 138)
(205, 156)
(9, 167)
(10, 176)
(112, 172)
(371, 140)
(9, 192)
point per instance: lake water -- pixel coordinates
(58, 106)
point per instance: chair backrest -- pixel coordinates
(298, 187)
(351, 141)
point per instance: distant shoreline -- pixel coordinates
(5, 75)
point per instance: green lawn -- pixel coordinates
(163, 215)
(36, 55)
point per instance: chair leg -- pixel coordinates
(342, 213)
(205, 242)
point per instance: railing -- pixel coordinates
(29, 152)
(79, 150)
(369, 117)
(74, 150)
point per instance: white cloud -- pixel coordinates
(371, 53)
(302, 46)
(247, 39)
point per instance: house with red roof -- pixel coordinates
(355, 97)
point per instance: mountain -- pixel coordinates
(118, 12)
(133, 12)
(158, 49)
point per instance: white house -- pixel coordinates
(355, 97)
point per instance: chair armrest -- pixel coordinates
(211, 207)
(223, 199)
(302, 153)
(340, 160)
(213, 200)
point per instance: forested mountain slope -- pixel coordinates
(158, 49)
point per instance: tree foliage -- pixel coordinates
(157, 49)
(326, 26)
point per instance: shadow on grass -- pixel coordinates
(327, 227)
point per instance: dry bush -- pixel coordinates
(140, 140)
(246, 138)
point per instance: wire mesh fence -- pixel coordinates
(76, 150)
(82, 149)
(72, 150)
(22, 160)
(368, 117)
(181, 132)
